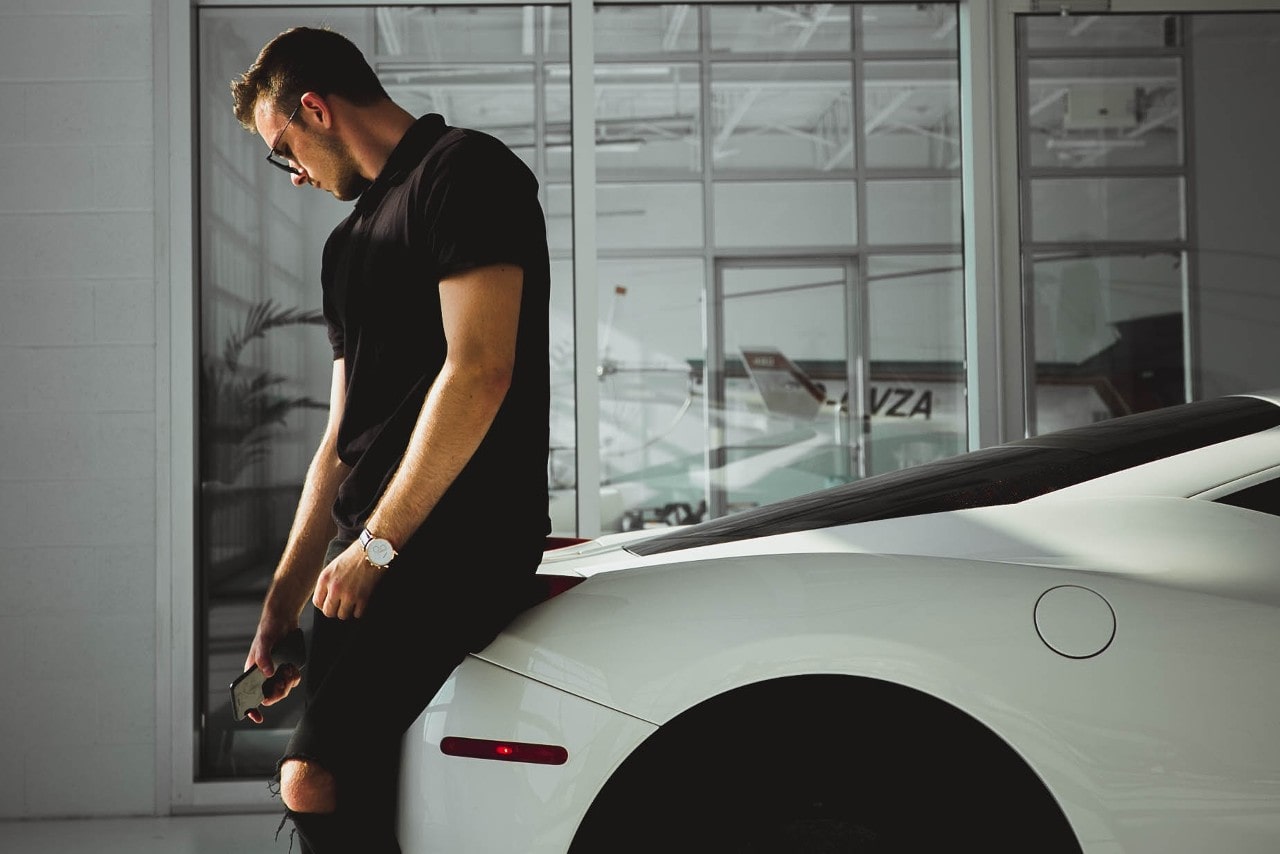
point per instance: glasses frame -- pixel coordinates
(271, 155)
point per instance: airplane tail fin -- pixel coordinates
(785, 388)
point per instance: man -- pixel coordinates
(435, 292)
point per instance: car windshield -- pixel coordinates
(1003, 474)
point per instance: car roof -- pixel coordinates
(1004, 474)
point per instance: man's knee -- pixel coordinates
(307, 787)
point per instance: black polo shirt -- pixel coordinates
(447, 200)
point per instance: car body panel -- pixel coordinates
(1195, 626)
(450, 803)
(1119, 635)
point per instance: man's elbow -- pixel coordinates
(498, 381)
(490, 380)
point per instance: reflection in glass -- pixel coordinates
(647, 119)
(1085, 32)
(453, 33)
(651, 394)
(784, 422)
(1104, 112)
(1086, 209)
(913, 212)
(914, 301)
(782, 116)
(752, 214)
(558, 208)
(666, 216)
(911, 115)
(924, 27)
(774, 28)
(1236, 257)
(562, 474)
(915, 396)
(1108, 335)
(1106, 283)
(779, 134)
(497, 99)
(264, 372)
(557, 119)
(623, 30)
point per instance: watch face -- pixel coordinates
(379, 551)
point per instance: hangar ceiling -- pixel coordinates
(778, 73)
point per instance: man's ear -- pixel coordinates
(319, 107)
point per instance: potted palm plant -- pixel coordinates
(241, 405)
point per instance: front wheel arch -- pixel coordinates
(823, 763)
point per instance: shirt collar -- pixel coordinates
(407, 154)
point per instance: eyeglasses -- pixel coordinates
(271, 155)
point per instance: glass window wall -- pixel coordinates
(778, 235)
(1146, 186)
(793, 171)
(776, 211)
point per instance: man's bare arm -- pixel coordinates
(312, 529)
(481, 311)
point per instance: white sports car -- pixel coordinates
(1065, 643)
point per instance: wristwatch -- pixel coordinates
(377, 551)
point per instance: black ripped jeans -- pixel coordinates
(367, 680)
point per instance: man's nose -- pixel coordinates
(299, 180)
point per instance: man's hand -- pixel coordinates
(278, 684)
(344, 587)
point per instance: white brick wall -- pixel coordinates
(77, 409)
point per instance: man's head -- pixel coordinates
(305, 73)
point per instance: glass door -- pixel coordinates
(786, 383)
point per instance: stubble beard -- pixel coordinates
(349, 186)
(348, 183)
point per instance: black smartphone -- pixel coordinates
(246, 690)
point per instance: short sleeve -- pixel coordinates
(330, 300)
(485, 209)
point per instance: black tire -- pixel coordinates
(819, 765)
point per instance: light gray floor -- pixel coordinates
(223, 834)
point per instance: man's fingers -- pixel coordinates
(262, 662)
(280, 684)
(255, 716)
(278, 687)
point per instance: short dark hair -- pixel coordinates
(305, 59)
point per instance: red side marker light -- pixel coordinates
(507, 751)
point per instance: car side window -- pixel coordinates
(1263, 497)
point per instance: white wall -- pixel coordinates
(78, 298)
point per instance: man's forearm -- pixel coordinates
(313, 528)
(454, 419)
